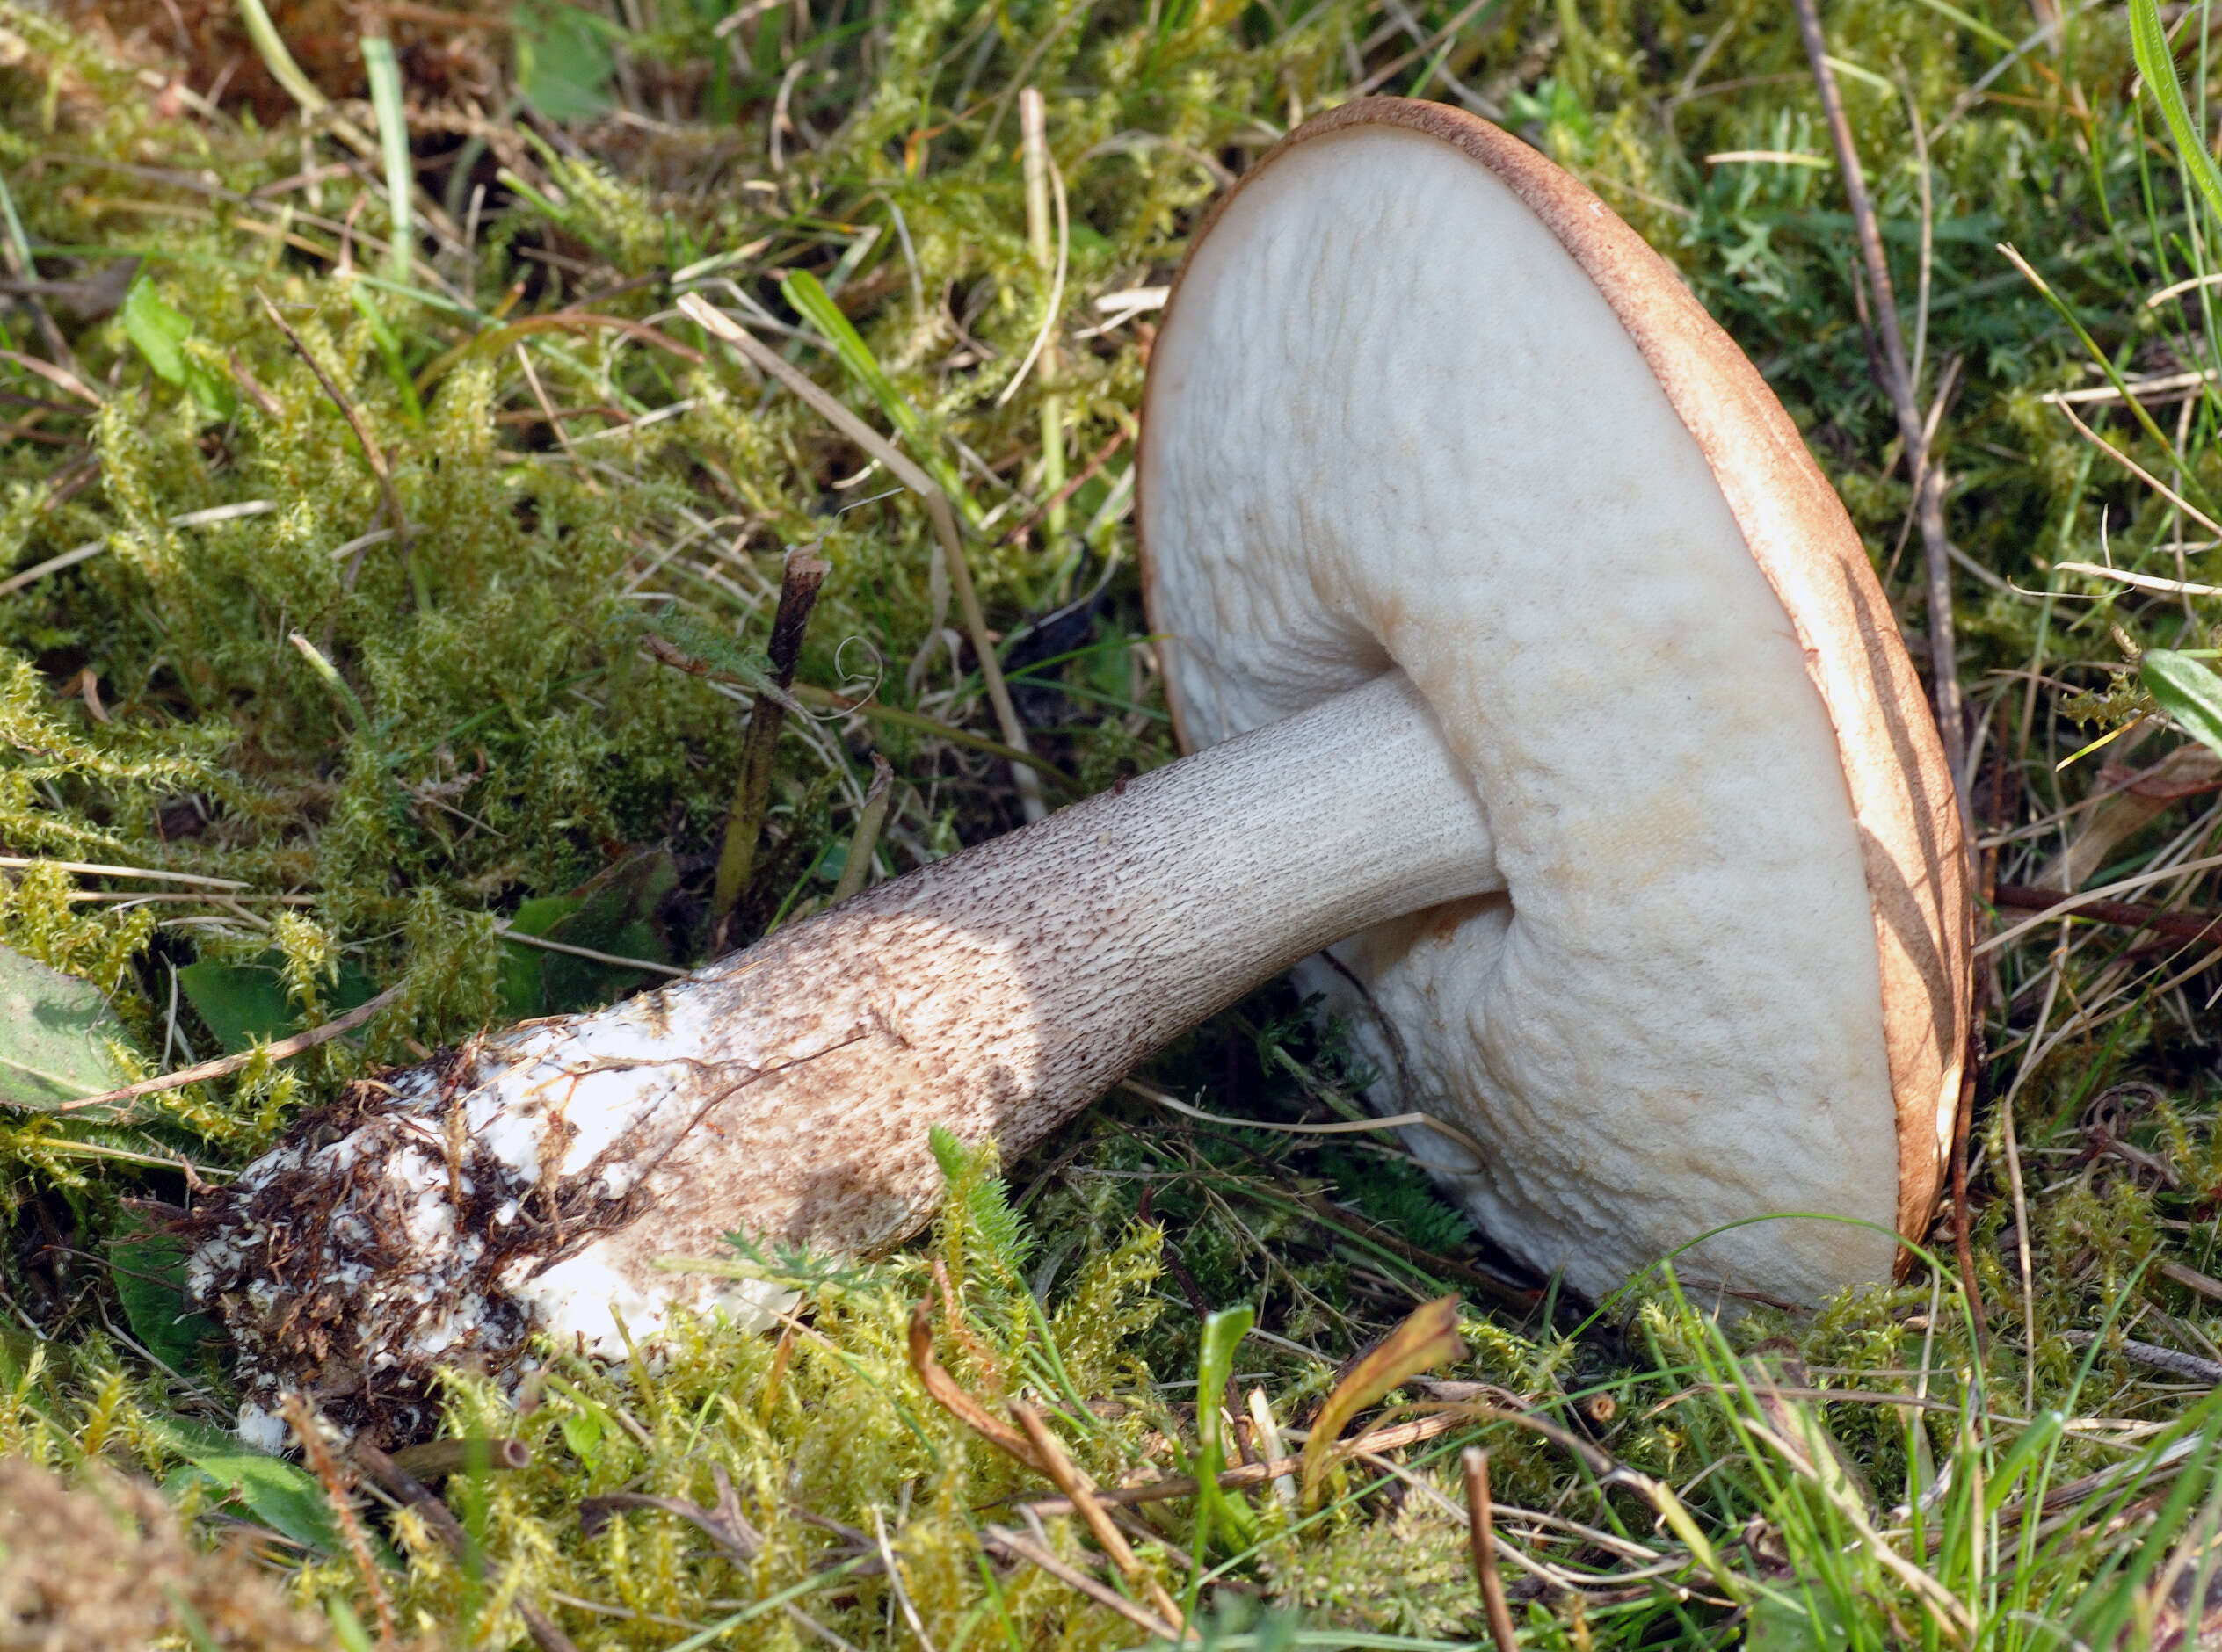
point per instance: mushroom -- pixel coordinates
(1526, 659)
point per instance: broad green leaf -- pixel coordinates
(1779, 1625)
(58, 1041)
(243, 1004)
(563, 64)
(283, 1497)
(583, 1433)
(2187, 691)
(150, 1272)
(524, 992)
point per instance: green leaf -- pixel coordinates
(247, 1004)
(583, 1433)
(2187, 691)
(2149, 40)
(150, 1272)
(813, 303)
(1228, 1511)
(244, 1004)
(158, 329)
(284, 1497)
(347, 1627)
(58, 1041)
(617, 912)
(564, 61)
(816, 305)
(1777, 1624)
(384, 69)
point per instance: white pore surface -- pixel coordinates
(1391, 421)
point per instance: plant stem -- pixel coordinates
(805, 572)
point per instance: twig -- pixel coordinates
(372, 452)
(544, 945)
(38, 571)
(1069, 1478)
(1963, 1219)
(91, 549)
(61, 378)
(436, 1515)
(1026, 1549)
(906, 471)
(799, 584)
(436, 1459)
(1481, 1533)
(1929, 481)
(1050, 249)
(2189, 926)
(547, 411)
(894, 1575)
(280, 1051)
(2190, 1367)
(1388, 1121)
(949, 1394)
(1096, 461)
(93, 868)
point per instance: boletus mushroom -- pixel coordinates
(1526, 659)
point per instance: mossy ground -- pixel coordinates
(393, 742)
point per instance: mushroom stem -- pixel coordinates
(534, 1180)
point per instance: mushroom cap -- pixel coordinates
(1420, 399)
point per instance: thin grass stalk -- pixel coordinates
(1927, 479)
(1041, 242)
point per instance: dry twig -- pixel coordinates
(436, 1515)
(1482, 1532)
(278, 1052)
(804, 574)
(1026, 1549)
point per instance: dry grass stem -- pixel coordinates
(864, 842)
(1898, 385)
